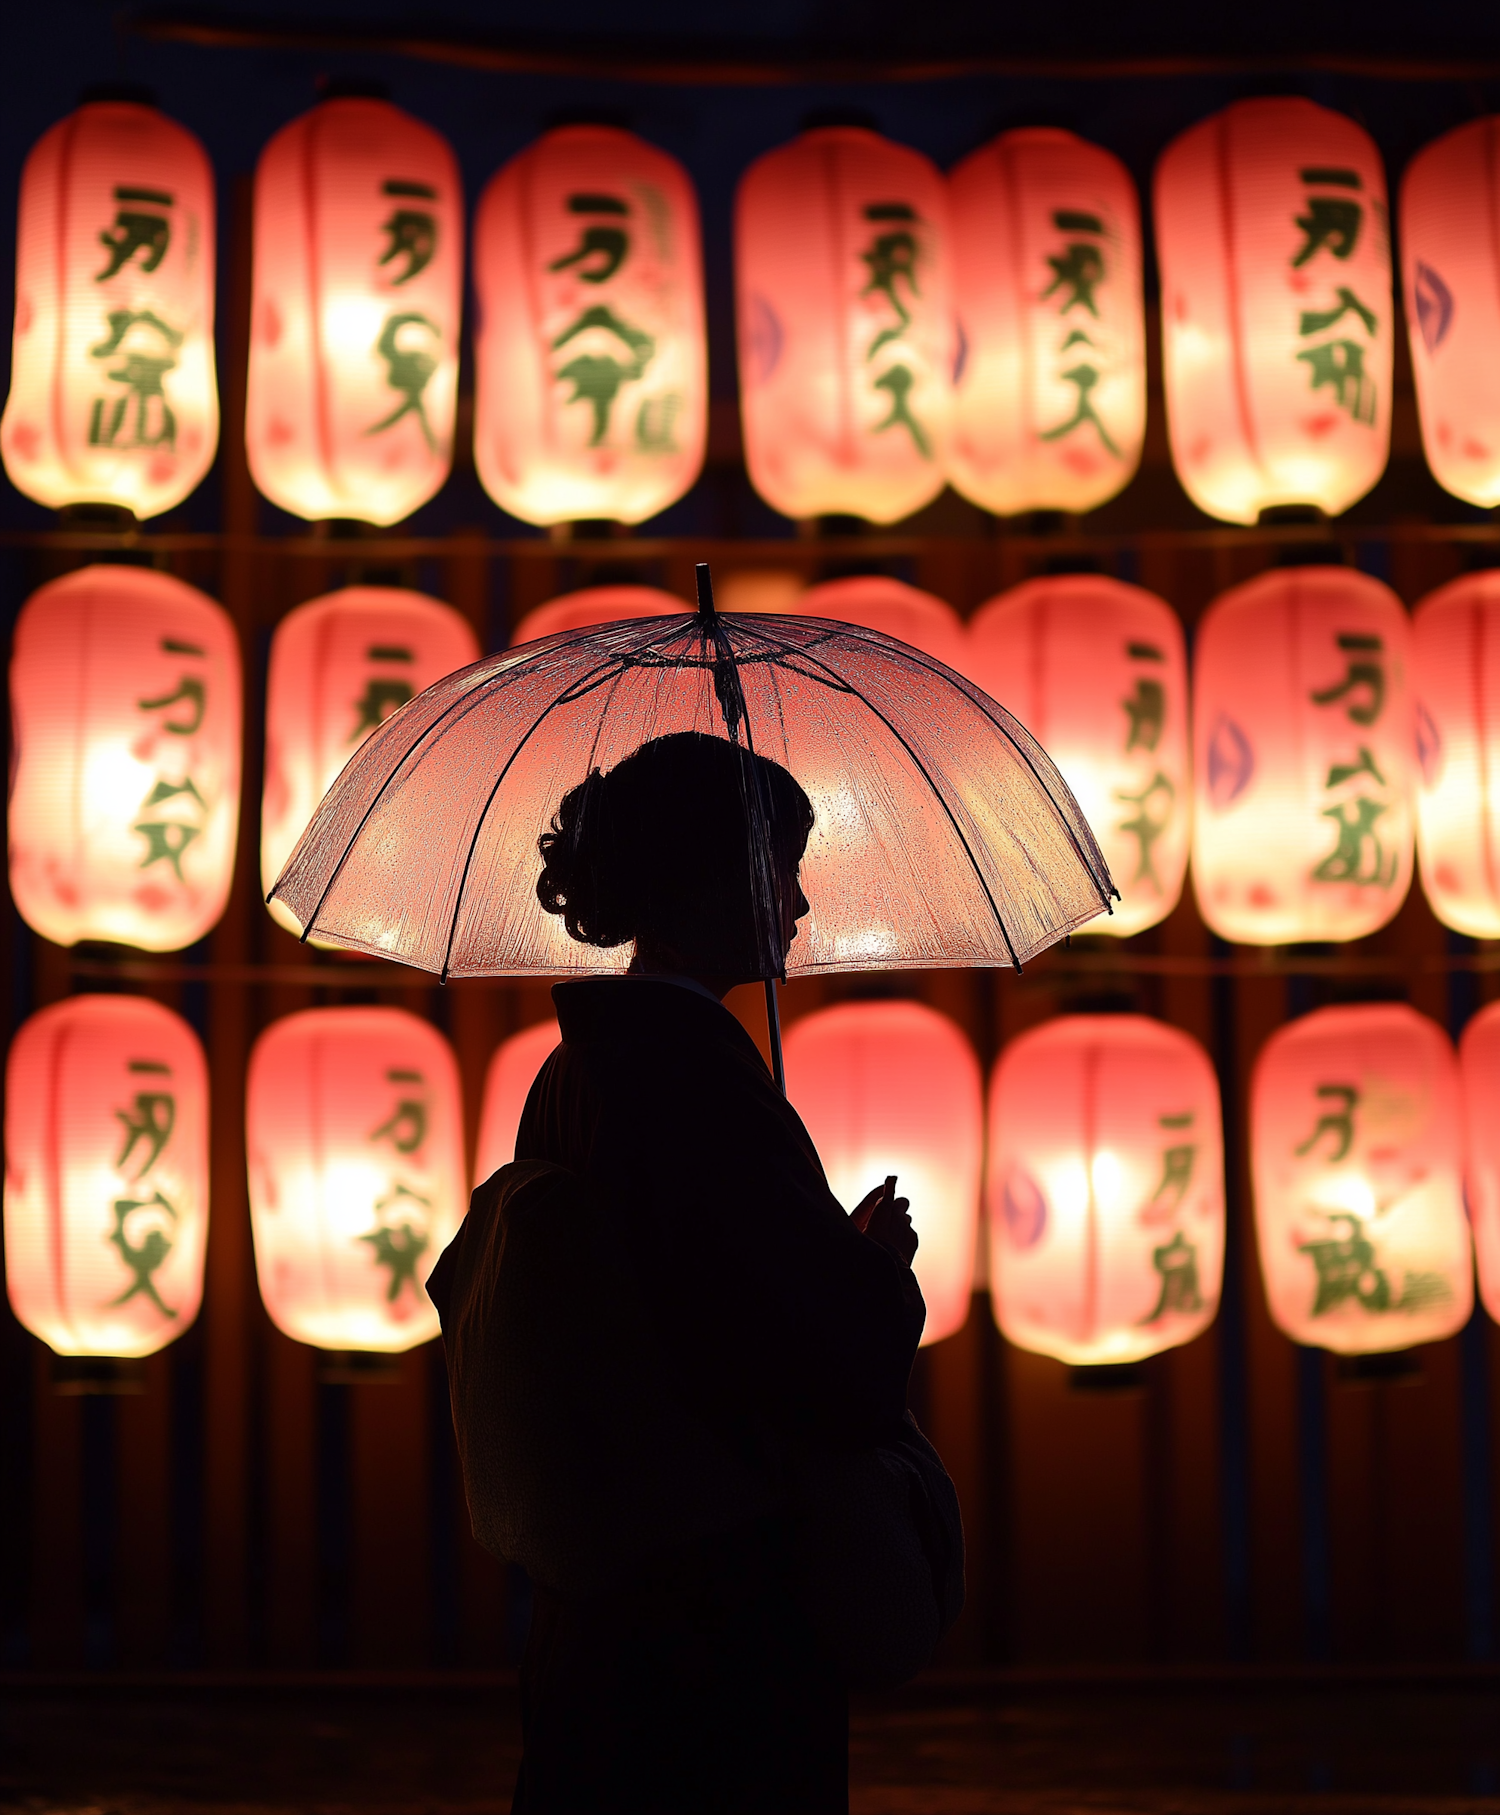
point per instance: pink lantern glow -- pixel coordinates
(1049, 404)
(1359, 1216)
(894, 609)
(1456, 679)
(106, 1175)
(1479, 1063)
(1450, 267)
(893, 1087)
(1106, 1189)
(592, 605)
(507, 1083)
(1276, 310)
(1097, 671)
(845, 325)
(112, 394)
(1302, 757)
(340, 666)
(591, 357)
(353, 382)
(125, 714)
(354, 1138)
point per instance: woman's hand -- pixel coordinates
(886, 1219)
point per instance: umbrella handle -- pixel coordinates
(773, 1028)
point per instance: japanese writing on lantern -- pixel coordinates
(175, 810)
(1358, 794)
(1077, 268)
(1339, 333)
(383, 692)
(400, 1239)
(890, 258)
(603, 349)
(1152, 804)
(1176, 1259)
(137, 347)
(144, 1217)
(409, 343)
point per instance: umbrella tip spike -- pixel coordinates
(706, 610)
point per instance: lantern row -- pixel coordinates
(1331, 738)
(898, 329)
(1105, 1185)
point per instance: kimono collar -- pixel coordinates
(642, 1009)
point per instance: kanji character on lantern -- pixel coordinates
(112, 395)
(512, 1072)
(1450, 268)
(892, 607)
(106, 1175)
(340, 666)
(592, 605)
(1479, 1065)
(1302, 757)
(1105, 1189)
(1277, 315)
(1049, 402)
(125, 714)
(357, 282)
(1355, 1155)
(591, 361)
(845, 325)
(354, 1139)
(894, 1087)
(1097, 671)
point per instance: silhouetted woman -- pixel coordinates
(694, 1684)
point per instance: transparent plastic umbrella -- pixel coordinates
(943, 835)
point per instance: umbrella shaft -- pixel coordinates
(773, 1028)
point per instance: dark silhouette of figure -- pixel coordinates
(694, 1683)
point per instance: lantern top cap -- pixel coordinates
(130, 94)
(352, 88)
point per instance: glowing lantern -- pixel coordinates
(106, 1175)
(1097, 671)
(1456, 679)
(893, 1087)
(1302, 758)
(125, 714)
(1049, 403)
(112, 395)
(893, 608)
(1479, 1061)
(592, 605)
(507, 1083)
(1359, 1215)
(340, 666)
(354, 1139)
(591, 359)
(1450, 266)
(1276, 308)
(845, 325)
(1105, 1189)
(354, 314)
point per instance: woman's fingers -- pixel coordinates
(866, 1207)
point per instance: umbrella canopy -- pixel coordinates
(943, 835)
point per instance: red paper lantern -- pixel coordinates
(592, 605)
(106, 1175)
(1355, 1155)
(1479, 1062)
(1302, 757)
(357, 285)
(507, 1084)
(354, 1137)
(1450, 267)
(894, 609)
(112, 395)
(1049, 403)
(893, 1087)
(1456, 679)
(125, 799)
(340, 666)
(1276, 308)
(591, 358)
(1097, 672)
(845, 325)
(1105, 1189)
